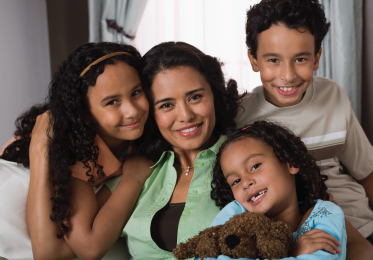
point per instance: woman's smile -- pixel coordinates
(189, 130)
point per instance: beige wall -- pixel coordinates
(367, 95)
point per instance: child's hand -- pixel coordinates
(315, 240)
(137, 167)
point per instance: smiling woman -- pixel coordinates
(193, 109)
(185, 114)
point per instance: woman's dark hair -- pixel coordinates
(292, 13)
(288, 148)
(170, 55)
(72, 125)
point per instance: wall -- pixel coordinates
(68, 28)
(24, 64)
(367, 95)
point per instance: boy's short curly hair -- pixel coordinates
(291, 13)
(288, 148)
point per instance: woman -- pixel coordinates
(97, 106)
(193, 109)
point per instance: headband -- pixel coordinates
(245, 127)
(103, 58)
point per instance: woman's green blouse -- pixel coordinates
(199, 212)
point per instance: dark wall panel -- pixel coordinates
(68, 28)
(367, 95)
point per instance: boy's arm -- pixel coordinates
(368, 186)
(357, 246)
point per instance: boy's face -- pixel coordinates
(286, 61)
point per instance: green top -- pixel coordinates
(199, 212)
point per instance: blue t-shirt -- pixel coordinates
(325, 216)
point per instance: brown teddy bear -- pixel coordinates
(246, 235)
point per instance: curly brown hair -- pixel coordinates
(288, 148)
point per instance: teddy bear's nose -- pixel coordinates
(232, 241)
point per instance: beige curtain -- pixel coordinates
(126, 14)
(341, 60)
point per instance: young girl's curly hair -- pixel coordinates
(288, 148)
(72, 126)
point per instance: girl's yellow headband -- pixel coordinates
(103, 58)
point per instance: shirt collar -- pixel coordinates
(214, 149)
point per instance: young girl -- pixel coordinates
(265, 168)
(97, 107)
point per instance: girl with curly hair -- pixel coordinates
(96, 108)
(265, 168)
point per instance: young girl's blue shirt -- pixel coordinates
(325, 216)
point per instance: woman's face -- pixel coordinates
(118, 104)
(184, 108)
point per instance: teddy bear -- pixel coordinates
(246, 235)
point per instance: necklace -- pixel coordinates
(188, 169)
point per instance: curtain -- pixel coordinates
(216, 27)
(367, 90)
(342, 48)
(114, 20)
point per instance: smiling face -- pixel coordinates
(184, 108)
(118, 104)
(259, 182)
(286, 61)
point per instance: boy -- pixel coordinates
(284, 40)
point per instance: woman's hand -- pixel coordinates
(314, 240)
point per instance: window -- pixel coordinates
(216, 27)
